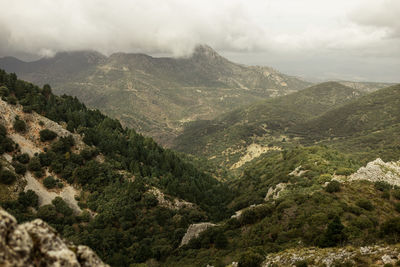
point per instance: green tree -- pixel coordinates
(334, 234)
(221, 241)
(250, 259)
(28, 199)
(47, 135)
(19, 125)
(332, 187)
(34, 164)
(7, 177)
(49, 182)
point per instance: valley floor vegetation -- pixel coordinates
(297, 197)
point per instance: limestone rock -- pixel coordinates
(378, 170)
(376, 255)
(275, 192)
(87, 257)
(175, 204)
(194, 231)
(37, 244)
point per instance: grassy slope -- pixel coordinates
(369, 125)
(267, 119)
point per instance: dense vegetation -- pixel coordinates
(130, 226)
(312, 210)
(369, 125)
(265, 122)
(291, 198)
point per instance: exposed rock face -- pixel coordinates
(276, 191)
(239, 213)
(253, 151)
(298, 171)
(30, 142)
(175, 204)
(370, 256)
(37, 244)
(194, 231)
(378, 170)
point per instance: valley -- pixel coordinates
(307, 176)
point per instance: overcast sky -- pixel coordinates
(316, 39)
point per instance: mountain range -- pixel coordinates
(156, 96)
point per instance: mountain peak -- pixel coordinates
(205, 51)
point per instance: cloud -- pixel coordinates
(170, 26)
(259, 30)
(382, 14)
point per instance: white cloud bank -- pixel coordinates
(288, 33)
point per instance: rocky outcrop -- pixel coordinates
(370, 256)
(274, 192)
(253, 151)
(194, 231)
(174, 203)
(378, 170)
(30, 141)
(35, 243)
(298, 171)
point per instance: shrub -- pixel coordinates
(12, 100)
(3, 130)
(334, 234)
(397, 207)
(4, 91)
(34, 164)
(248, 216)
(150, 200)
(392, 228)
(19, 168)
(47, 213)
(250, 259)
(28, 199)
(27, 109)
(49, 182)
(7, 177)
(386, 195)
(19, 125)
(332, 187)
(221, 241)
(61, 206)
(396, 193)
(23, 158)
(6, 145)
(39, 173)
(47, 135)
(301, 263)
(365, 204)
(344, 171)
(382, 186)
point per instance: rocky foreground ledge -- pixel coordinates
(35, 243)
(376, 255)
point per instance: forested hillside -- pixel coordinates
(265, 123)
(135, 202)
(307, 197)
(124, 222)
